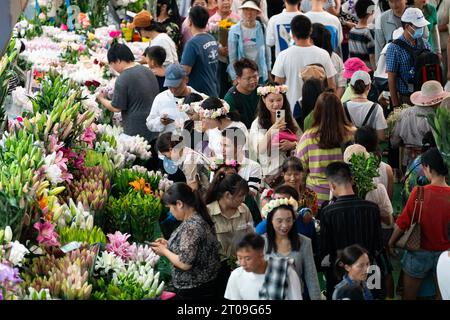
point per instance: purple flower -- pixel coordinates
(9, 275)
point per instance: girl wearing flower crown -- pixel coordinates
(274, 117)
(282, 240)
(232, 219)
(214, 116)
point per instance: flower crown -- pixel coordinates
(264, 91)
(193, 107)
(273, 204)
(214, 114)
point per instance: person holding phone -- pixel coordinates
(274, 133)
(164, 111)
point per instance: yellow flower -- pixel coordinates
(91, 36)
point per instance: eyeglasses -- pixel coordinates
(255, 77)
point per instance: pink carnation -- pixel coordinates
(64, 27)
(47, 234)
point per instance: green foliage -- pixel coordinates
(136, 7)
(53, 89)
(6, 74)
(94, 158)
(440, 123)
(68, 234)
(20, 157)
(122, 179)
(126, 288)
(136, 214)
(363, 172)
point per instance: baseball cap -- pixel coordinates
(414, 16)
(250, 5)
(360, 75)
(141, 20)
(174, 75)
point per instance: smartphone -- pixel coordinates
(280, 114)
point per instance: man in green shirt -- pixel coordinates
(242, 97)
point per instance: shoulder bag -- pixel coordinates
(410, 240)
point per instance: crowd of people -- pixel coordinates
(270, 117)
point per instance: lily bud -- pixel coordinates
(8, 234)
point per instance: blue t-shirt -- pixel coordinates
(201, 54)
(308, 230)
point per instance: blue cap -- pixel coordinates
(174, 75)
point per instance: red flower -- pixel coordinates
(95, 83)
(96, 61)
(88, 83)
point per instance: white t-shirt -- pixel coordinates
(249, 39)
(443, 275)
(243, 285)
(358, 112)
(381, 198)
(327, 19)
(278, 32)
(292, 61)
(163, 40)
(165, 103)
(338, 64)
(306, 5)
(215, 137)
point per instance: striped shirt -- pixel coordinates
(361, 44)
(315, 160)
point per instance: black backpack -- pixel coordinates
(426, 64)
(366, 119)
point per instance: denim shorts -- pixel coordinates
(418, 264)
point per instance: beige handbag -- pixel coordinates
(410, 240)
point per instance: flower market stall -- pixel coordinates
(77, 205)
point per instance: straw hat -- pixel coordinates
(354, 149)
(431, 93)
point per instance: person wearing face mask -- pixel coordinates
(399, 62)
(232, 218)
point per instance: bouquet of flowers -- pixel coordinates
(224, 28)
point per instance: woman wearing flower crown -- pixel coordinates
(214, 116)
(232, 219)
(265, 143)
(282, 240)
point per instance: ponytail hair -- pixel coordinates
(348, 256)
(359, 87)
(180, 191)
(232, 183)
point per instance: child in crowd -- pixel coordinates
(155, 57)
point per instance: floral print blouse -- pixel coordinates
(196, 244)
